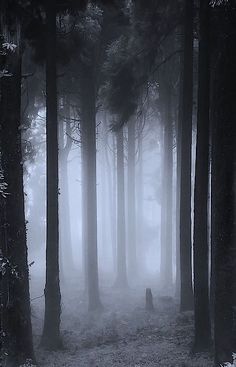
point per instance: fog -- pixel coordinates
(148, 193)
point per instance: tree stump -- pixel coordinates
(149, 300)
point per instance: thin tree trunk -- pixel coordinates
(168, 146)
(202, 340)
(51, 330)
(65, 144)
(167, 185)
(178, 181)
(17, 323)
(163, 210)
(111, 181)
(121, 280)
(131, 220)
(139, 203)
(84, 206)
(186, 292)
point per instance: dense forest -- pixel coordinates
(117, 183)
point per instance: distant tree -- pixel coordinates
(131, 200)
(165, 101)
(65, 145)
(121, 279)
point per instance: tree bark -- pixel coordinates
(202, 338)
(51, 330)
(223, 184)
(186, 293)
(17, 320)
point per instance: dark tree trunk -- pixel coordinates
(84, 205)
(131, 212)
(167, 183)
(88, 130)
(51, 329)
(178, 180)
(168, 146)
(121, 280)
(186, 293)
(163, 210)
(202, 340)
(223, 184)
(17, 320)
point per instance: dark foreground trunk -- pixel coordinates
(16, 303)
(223, 184)
(186, 293)
(51, 330)
(202, 338)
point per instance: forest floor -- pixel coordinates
(123, 334)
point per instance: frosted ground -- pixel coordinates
(123, 334)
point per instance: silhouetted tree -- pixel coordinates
(186, 294)
(202, 338)
(223, 181)
(51, 330)
(17, 314)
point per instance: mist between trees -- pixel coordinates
(117, 182)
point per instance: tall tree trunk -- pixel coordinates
(168, 146)
(163, 210)
(111, 181)
(88, 130)
(167, 185)
(84, 205)
(131, 212)
(51, 329)
(139, 204)
(186, 293)
(17, 322)
(121, 280)
(65, 144)
(178, 180)
(202, 338)
(223, 184)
